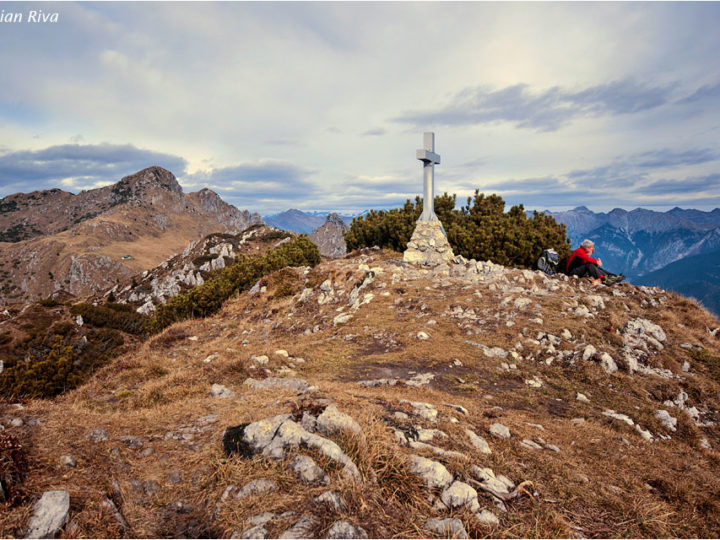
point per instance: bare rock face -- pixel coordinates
(329, 237)
(428, 245)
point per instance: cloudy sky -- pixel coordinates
(321, 106)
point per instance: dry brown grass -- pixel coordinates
(606, 481)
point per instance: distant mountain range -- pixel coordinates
(303, 222)
(641, 241)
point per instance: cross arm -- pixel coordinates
(428, 157)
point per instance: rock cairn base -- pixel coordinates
(429, 245)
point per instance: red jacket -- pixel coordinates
(583, 257)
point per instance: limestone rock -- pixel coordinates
(478, 442)
(272, 436)
(446, 528)
(50, 514)
(332, 499)
(500, 430)
(460, 495)
(434, 474)
(97, 435)
(298, 385)
(486, 517)
(345, 529)
(668, 421)
(220, 391)
(302, 528)
(256, 487)
(306, 469)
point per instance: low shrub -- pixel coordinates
(111, 315)
(209, 297)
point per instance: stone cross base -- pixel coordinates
(429, 245)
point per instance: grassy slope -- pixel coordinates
(606, 481)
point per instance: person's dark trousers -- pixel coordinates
(588, 270)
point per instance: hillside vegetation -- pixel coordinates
(366, 397)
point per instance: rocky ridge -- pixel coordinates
(382, 400)
(329, 237)
(85, 243)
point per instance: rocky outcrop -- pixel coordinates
(329, 237)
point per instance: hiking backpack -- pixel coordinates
(548, 262)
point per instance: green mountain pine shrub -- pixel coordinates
(481, 230)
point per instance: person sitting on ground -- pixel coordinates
(581, 264)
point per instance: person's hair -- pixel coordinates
(587, 244)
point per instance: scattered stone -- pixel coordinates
(640, 326)
(434, 474)
(257, 532)
(446, 528)
(478, 442)
(704, 443)
(98, 435)
(582, 397)
(499, 486)
(622, 417)
(332, 499)
(50, 514)
(500, 430)
(301, 529)
(220, 391)
(114, 512)
(588, 352)
(345, 529)
(16, 422)
(210, 358)
(261, 359)
(173, 478)
(458, 408)
(147, 452)
(332, 422)
(670, 422)
(68, 461)
(131, 441)
(306, 469)
(423, 336)
(486, 517)
(255, 487)
(529, 444)
(460, 495)
(291, 383)
(607, 363)
(342, 318)
(424, 410)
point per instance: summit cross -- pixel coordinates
(429, 158)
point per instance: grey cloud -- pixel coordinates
(89, 164)
(694, 185)
(669, 158)
(258, 186)
(374, 132)
(708, 93)
(544, 111)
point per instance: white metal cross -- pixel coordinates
(429, 158)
